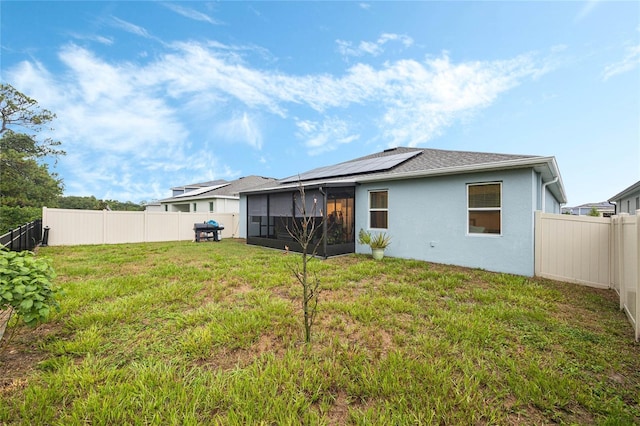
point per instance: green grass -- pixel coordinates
(211, 333)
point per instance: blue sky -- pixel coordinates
(150, 95)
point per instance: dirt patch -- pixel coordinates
(338, 414)
(20, 357)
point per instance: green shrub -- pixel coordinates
(380, 240)
(26, 286)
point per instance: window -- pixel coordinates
(629, 206)
(211, 206)
(195, 207)
(166, 208)
(484, 208)
(637, 203)
(378, 209)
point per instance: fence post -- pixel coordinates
(104, 226)
(637, 283)
(537, 243)
(620, 262)
(145, 238)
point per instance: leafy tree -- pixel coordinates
(123, 206)
(26, 184)
(92, 203)
(80, 203)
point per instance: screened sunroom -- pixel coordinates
(272, 217)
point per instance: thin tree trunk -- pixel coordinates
(5, 316)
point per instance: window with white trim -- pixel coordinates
(210, 206)
(379, 209)
(484, 208)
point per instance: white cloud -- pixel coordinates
(139, 118)
(241, 128)
(107, 41)
(373, 48)
(191, 13)
(629, 63)
(129, 27)
(325, 136)
(586, 9)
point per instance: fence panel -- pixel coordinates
(573, 249)
(627, 238)
(599, 252)
(25, 237)
(77, 227)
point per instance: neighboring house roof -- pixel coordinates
(422, 162)
(627, 192)
(219, 189)
(193, 186)
(603, 206)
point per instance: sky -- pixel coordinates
(150, 94)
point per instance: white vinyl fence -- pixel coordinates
(598, 252)
(76, 227)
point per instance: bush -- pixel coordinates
(26, 286)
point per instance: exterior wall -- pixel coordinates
(628, 204)
(154, 208)
(551, 205)
(220, 205)
(428, 221)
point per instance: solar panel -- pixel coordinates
(357, 167)
(201, 190)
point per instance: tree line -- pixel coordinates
(26, 182)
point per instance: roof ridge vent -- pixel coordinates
(390, 149)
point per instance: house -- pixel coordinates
(604, 209)
(464, 208)
(218, 196)
(627, 201)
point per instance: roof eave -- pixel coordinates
(295, 185)
(633, 188)
(198, 197)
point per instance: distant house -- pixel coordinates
(627, 201)
(464, 208)
(604, 209)
(218, 196)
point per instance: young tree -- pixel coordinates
(307, 232)
(593, 212)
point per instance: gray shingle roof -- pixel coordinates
(429, 159)
(231, 189)
(429, 162)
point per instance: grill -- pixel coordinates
(207, 232)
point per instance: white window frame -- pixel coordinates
(486, 209)
(211, 207)
(370, 209)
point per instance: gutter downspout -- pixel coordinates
(544, 192)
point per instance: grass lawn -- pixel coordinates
(211, 333)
